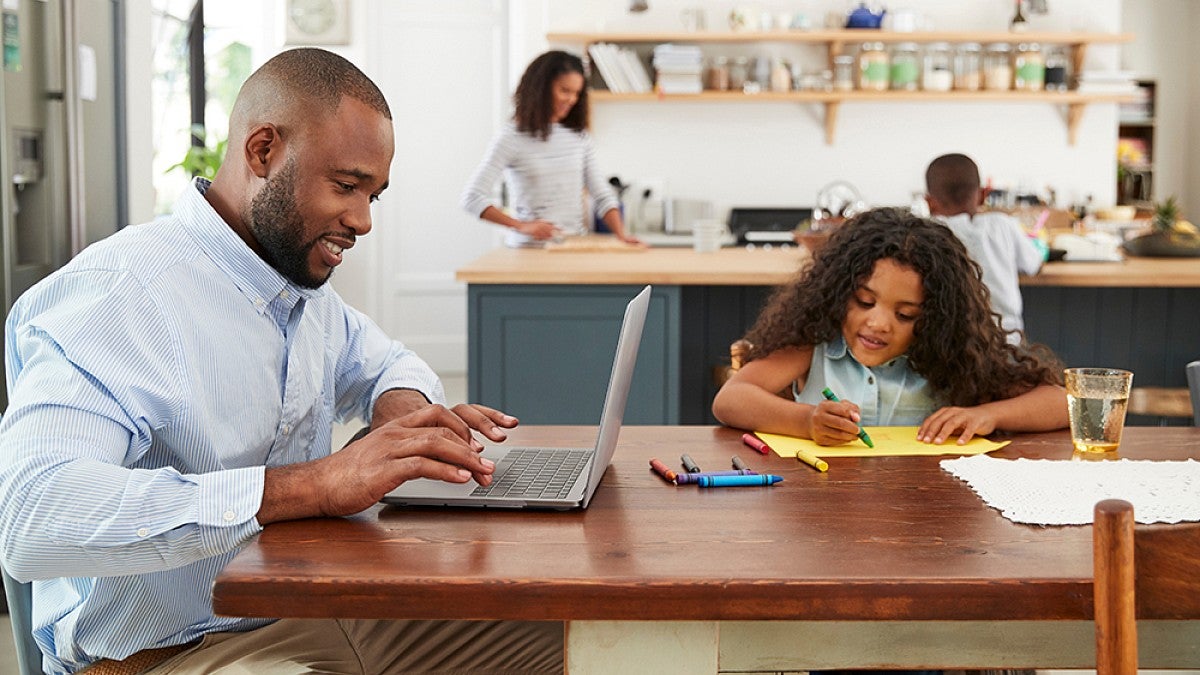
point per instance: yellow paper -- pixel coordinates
(889, 442)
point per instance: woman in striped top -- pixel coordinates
(547, 157)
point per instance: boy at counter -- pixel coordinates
(995, 240)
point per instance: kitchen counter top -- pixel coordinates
(759, 267)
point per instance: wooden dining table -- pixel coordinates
(881, 561)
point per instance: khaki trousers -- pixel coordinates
(377, 647)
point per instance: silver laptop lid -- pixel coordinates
(618, 389)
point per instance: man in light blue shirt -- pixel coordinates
(172, 391)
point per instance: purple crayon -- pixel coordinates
(694, 477)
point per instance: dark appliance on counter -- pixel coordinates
(761, 226)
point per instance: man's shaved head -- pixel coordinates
(298, 86)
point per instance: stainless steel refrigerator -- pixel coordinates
(62, 144)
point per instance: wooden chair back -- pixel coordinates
(1142, 572)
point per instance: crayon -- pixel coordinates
(756, 443)
(862, 433)
(689, 464)
(662, 470)
(738, 481)
(739, 464)
(812, 460)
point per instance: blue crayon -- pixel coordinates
(682, 478)
(736, 481)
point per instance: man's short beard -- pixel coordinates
(277, 226)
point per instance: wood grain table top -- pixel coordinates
(877, 538)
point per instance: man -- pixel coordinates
(173, 388)
(995, 240)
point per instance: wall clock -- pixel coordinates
(318, 22)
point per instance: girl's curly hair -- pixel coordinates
(534, 97)
(958, 345)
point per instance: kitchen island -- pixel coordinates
(542, 324)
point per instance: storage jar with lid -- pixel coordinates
(873, 67)
(997, 67)
(843, 72)
(967, 67)
(1056, 69)
(1029, 68)
(937, 75)
(739, 72)
(781, 76)
(718, 74)
(906, 67)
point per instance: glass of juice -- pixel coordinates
(1096, 401)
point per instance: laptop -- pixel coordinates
(546, 478)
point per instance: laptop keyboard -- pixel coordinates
(536, 473)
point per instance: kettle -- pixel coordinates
(862, 17)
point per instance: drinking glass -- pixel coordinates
(1096, 402)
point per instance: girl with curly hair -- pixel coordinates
(894, 317)
(547, 158)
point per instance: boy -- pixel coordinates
(995, 240)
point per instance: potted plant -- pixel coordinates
(1169, 235)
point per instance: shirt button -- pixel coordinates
(229, 516)
(287, 429)
(870, 380)
(258, 302)
(143, 532)
(284, 294)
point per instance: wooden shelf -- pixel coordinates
(845, 36)
(836, 41)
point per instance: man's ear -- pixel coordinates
(262, 143)
(982, 196)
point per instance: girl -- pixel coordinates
(547, 157)
(892, 316)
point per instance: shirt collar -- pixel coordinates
(258, 281)
(836, 349)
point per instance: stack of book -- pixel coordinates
(678, 69)
(1107, 82)
(621, 69)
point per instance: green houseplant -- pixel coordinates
(1169, 235)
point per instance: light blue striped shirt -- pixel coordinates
(546, 179)
(890, 394)
(151, 381)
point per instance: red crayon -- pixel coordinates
(756, 443)
(662, 470)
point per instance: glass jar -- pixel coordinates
(718, 74)
(906, 67)
(781, 76)
(997, 67)
(1057, 64)
(843, 72)
(937, 75)
(739, 71)
(873, 67)
(1029, 68)
(967, 65)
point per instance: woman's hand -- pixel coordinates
(834, 423)
(949, 421)
(538, 229)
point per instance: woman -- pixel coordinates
(547, 157)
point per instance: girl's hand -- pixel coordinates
(834, 423)
(965, 422)
(538, 229)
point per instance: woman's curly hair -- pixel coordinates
(534, 97)
(958, 345)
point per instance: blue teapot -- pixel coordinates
(862, 17)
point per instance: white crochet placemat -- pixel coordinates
(1057, 492)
